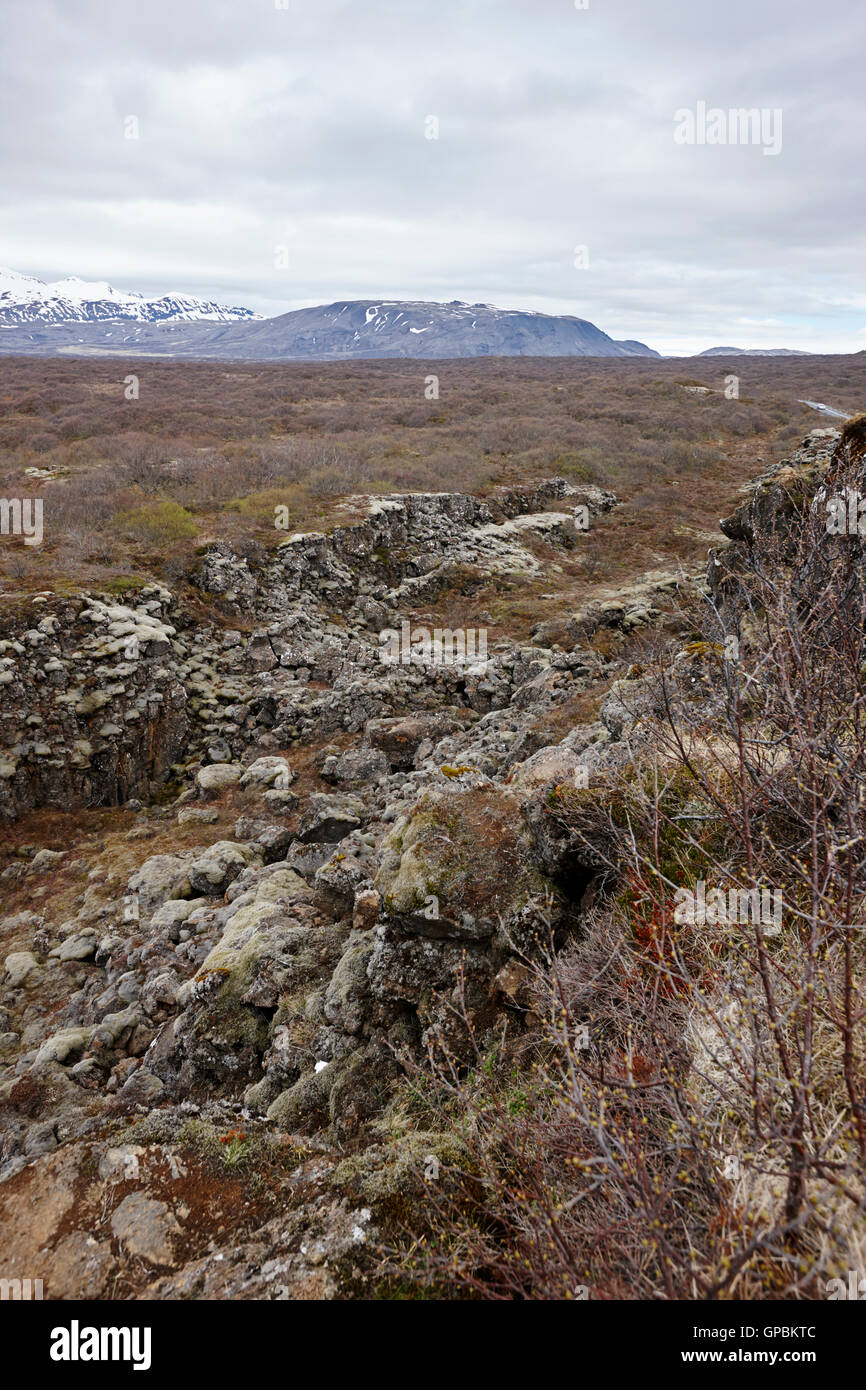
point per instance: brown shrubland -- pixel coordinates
(229, 442)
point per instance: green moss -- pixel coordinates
(391, 1175)
(123, 583)
(237, 1025)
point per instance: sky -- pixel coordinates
(284, 157)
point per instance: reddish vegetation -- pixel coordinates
(209, 450)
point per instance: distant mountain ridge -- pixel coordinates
(26, 300)
(751, 352)
(73, 316)
(91, 318)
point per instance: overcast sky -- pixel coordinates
(305, 127)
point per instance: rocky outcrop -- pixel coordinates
(357, 860)
(103, 702)
(771, 515)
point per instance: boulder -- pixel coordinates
(268, 772)
(197, 815)
(330, 819)
(217, 778)
(20, 969)
(400, 738)
(347, 996)
(79, 946)
(361, 765)
(160, 878)
(212, 872)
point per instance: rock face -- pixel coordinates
(93, 712)
(364, 861)
(772, 504)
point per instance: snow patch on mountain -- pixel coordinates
(26, 300)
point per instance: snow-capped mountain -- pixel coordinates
(64, 318)
(26, 300)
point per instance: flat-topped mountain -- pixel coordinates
(412, 328)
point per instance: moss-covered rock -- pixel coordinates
(463, 895)
(347, 996)
(458, 865)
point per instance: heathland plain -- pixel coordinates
(329, 976)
